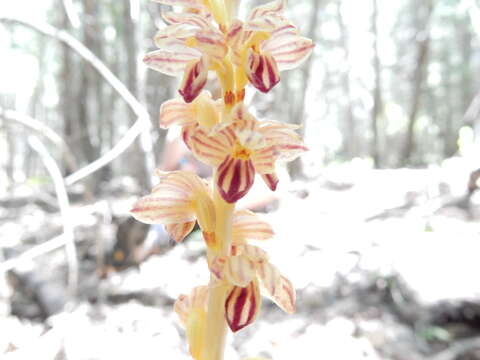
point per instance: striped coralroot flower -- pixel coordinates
(261, 46)
(243, 148)
(181, 199)
(203, 38)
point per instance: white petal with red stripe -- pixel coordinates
(178, 232)
(273, 7)
(164, 207)
(176, 112)
(171, 61)
(254, 253)
(171, 201)
(211, 43)
(235, 177)
(267, 23)
(242, 306)
(185, 18)
(194, 79)
(211, 149)
(262, 71)
(271, 180)
(270, 277)
(239, 270)
(288, 50)
(264, 159)
(285, 295)
(249, 226)
(172, 34)
(286, 142)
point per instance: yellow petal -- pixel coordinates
(205, 210)
(198, 298)
(196, 326)
(207, 111)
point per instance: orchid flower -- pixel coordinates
(244, 148)
(264, 45)
(181, 199)
(205, 37)
(245, 268)
(192, 310)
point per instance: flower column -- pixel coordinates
(222, 133)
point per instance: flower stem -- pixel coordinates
(216, 329)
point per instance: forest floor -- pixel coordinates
(385, 263)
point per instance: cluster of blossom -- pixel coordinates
(204, 37)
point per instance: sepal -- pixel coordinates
(171, 61)
(289, 50)
(248, 226)
(285, 296)
(178, 232)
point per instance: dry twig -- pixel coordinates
(142, 124)
(44, 130)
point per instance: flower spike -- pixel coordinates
(205, 38)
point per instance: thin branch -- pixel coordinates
(143, 121)
(71, 13)
(128, 138)
(44, 130)
(65, 210)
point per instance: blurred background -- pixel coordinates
(376, 226)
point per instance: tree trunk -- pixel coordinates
(351, 147)
(67, 82)
(423, 44)
(142, 156)
(295, 168)
(377, 91)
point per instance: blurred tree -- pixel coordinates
(377, 89)
(298, 105)
(421, 36)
